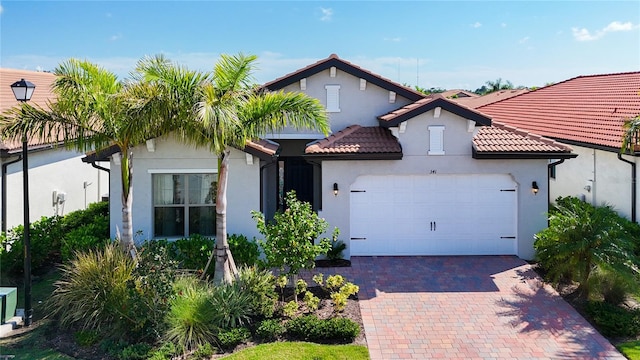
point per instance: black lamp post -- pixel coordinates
(23, 90)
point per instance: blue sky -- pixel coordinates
(452, 44)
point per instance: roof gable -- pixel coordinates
(334, 61)
(423, 105)
(586, 110)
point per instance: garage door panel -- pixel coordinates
(433, 215)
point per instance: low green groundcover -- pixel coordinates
(301, 351)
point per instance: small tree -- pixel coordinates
(582, 237)
(290, 239)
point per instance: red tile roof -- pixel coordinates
(508, 140)
(42, 93)
(458, 94)
(358, 140)
(583, 110)
(264, 149)
(476, 102)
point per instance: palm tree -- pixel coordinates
(93, 110)
(631, 135)
(231, 111)
(498, 85)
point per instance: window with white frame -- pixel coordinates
(184, 204)
(436, 140)
(333, 98)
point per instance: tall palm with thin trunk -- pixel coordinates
(498, 85)
(93, 110)
(230, 111)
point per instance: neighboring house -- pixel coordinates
(478, 101)
(586, 112)
(58, 180)
(458, 94)
(401, 173)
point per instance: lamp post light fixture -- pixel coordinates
(23, 90)
(335, 189)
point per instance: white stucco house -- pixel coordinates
(59, 182)
(400, 174)
(587, 113)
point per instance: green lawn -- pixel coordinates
(33, 353)
(630, 349)
(301, 351)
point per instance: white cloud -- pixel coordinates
(476, 25)
(523, 40)
(1, 9)
(584, 34)
(504, 25)
(393, 39)
(115, 37)
(327, 14)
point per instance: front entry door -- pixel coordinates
(296, 174)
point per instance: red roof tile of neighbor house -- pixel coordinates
(42, 93)
(583, 110)
(507, 140)
(358, 140)
(334, 61)
(476, 102)
(459, 94)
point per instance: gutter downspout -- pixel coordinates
(633, 186)
(549, 166)
(4, 191)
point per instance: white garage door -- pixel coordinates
(433, 215)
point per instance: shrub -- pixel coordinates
(152, 288)
(337, 248)
(232, 306)
(245, 252)
(260, 285)
(580, 238)
(614, 321)
(612, 287)
(84, 238)
(139, 351)
(93, 290)
(191, 316)
(164, 352)
(192, 252)
(203, 352)
(270, 329)
(290, 239)
(311, 301)
(338, 289)
(85, 229)
(44, 236)
(229, 339)
(310, 328)
(290, 309)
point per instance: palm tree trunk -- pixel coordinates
(126, 169)
(225, 267)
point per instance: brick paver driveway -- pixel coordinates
(470, 307)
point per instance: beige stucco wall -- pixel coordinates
(457, 160)
(609, 178)
(356, 106)
(243, 188)
(53, 169)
